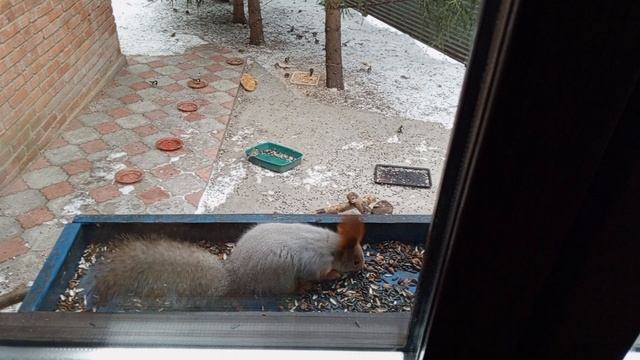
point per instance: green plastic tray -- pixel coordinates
(266, 156)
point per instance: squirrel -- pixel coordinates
(269, 259)
(281, 259)
(157, 272)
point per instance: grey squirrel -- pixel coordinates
(269, 259)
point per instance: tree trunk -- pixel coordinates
(256, 35)
(333, 44)
(238, 12)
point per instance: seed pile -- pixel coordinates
(387, 284)
(73, 299)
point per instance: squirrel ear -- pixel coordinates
(351, 231)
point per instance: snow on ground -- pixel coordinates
(407, 78)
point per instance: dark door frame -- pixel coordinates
(534, 248)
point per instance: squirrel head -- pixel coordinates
(349, 254)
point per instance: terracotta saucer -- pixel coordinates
(129, 176)
(187, 106)
(169, 144)
(197, 84)
(235, 61)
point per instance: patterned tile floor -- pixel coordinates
(118, 129)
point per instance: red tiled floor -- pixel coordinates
(131, 98)
(78, 166)
(145, 130)
(204, 173)
(135, 148)
(35, 217)
(85, 170)
(12, 248)
(165, 172)
(140, 86)
(194, 198)
(57, 190)
(119, 112)
(194, 116)
(155, 115)
(148, 74)
(94, 146)
(173, 88)
(107, 127)
(105, 193)
(153, 195)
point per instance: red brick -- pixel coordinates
(145, 130)
(153, 195)
(12, 248)
(135, 148)
(119, 112)
(194, 198)
(165, 171)
(194, 116)
(77, 166)
(57, 190)
(94, 146)
(140, 85)
(155, 115)
(35, 217)
(173, 88)
(204, 173)
(130, 99)
(15, 186)
(107, 127)
(105, 193)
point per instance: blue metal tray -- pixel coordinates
(62, 262)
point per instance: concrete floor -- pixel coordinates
(341, 147)
(118, 129)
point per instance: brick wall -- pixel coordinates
(54, 56)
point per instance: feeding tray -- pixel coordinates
(235, 61)
(187, 106)
(303, 78)
(85, 231)
(169, 144)
(274, 157)
(402, 175)
(197, 84)
(129, 176)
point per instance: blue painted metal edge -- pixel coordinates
(246, 218)
(50, 269)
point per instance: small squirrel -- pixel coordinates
(278, 259)
(269, 259)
